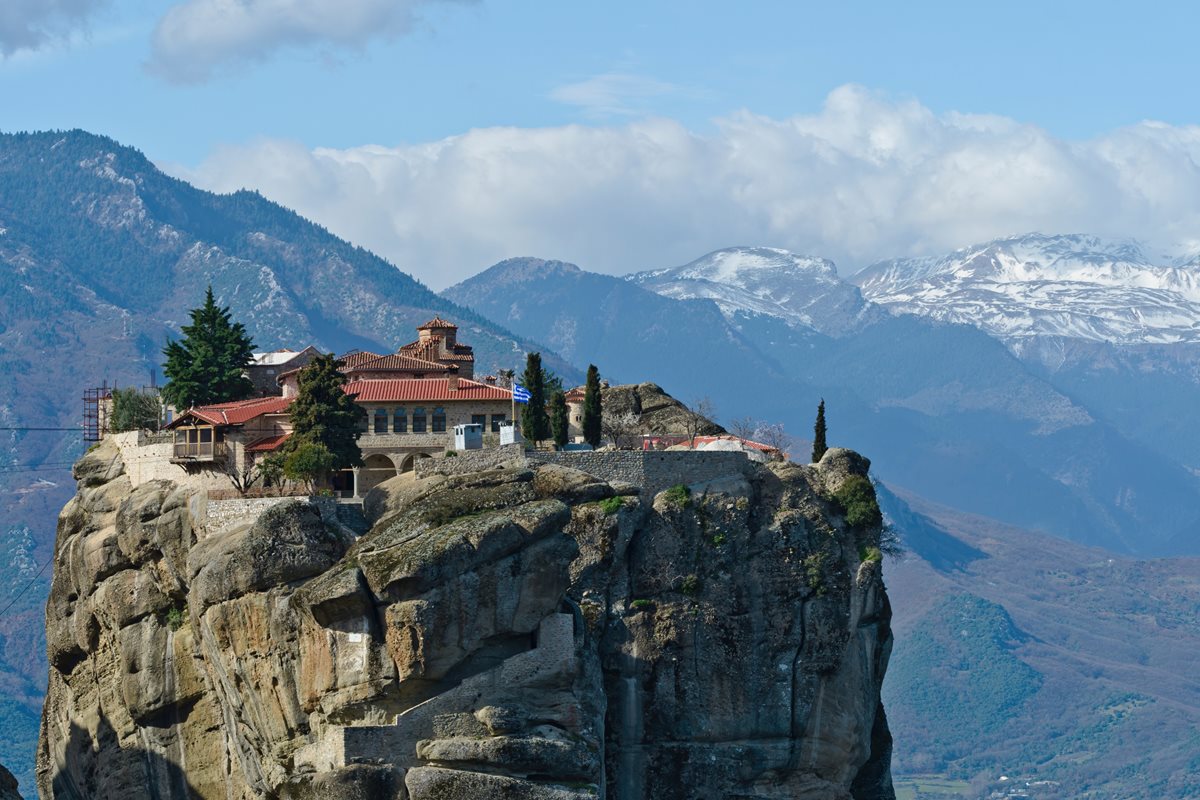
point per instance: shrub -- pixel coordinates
(451, 454)
(641, 604)
(175, 617)
(690, 585)
(814, 573)
(308, 462)
(856, 497)
(719, 539)
(611, 505)
(867, 554)
(679, 496)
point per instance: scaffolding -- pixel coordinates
(95, 412)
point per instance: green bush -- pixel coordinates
(814, 573)
(690, 585)
(719, 539)
(175, 617)
(451, 454)
(641, 604)
(856, 497)
(870, 554)
(611, 505)
(679, 496)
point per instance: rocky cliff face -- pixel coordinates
(524, 631)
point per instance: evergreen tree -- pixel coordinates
(592, 412)
(819, 446)
(132, 410)
(324, 414)
(207, 365)
(559, 418)
(535, 423)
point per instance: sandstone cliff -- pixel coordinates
(524, 631)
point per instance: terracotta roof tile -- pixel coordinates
(236, 413)
(410, 390)
(268, 444)
(437, 322)
(356, 357)
(398, 362)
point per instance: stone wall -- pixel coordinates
(222, 515)
(471, 461)
(654, 470)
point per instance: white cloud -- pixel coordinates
(615, 93)
(32, 24)
(867, 177)
(197, 38)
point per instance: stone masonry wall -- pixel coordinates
(653, 471)
(470, 461)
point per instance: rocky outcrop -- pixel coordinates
(527, 631)
(8, 786)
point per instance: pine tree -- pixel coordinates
(208, 364)
(592, 411)
(819, 446)
(535, 423)
(324, 414)
(559, 418)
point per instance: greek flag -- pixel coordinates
(520, 393)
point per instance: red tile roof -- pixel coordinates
(437, 322)
(410, 390)
(431, 350)
(397, 362)
(236, 413)
(356, 357)
(268, 444)
(576, 395)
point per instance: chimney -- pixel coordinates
(490, 380)
(453, 381)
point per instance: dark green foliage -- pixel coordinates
(270, 468)
(957, 675)
(592, 412)
(207, 365)
(819, 445)
(308, 462)
(559, 423)
(133, 410)
(324, 414)
(535, 422)
(176, 616)
(611, 505)
(641, 604)
(870, 554)
(679, 496)
(856, 497)
(690, 585)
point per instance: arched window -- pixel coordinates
(439, 420)
(381, 420)
(418, 420)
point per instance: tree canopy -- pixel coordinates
(208, 364)
(535, 423)
(819, 446)
(559, 418)
(133, 410)
(592, 410)
(324, 414)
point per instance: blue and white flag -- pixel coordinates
(520, 393)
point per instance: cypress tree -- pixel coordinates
(592, 412)
(535, 423)
(819, 446)
(559, 418)
(207, 365)
(324, 414)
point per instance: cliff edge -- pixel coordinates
(504, 630)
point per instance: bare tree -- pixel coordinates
(617, 427)
(699, 416)
(242, 477)
(744, 427)
(773, 436)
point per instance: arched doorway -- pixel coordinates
(376, 469)
(409, 461)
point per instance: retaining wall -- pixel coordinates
(652, 470)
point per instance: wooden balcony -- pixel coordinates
(198, 452)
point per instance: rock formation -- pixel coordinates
(8, 786)
(519, 631)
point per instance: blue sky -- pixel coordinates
(305, 86)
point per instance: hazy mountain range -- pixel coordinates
(1047, 425)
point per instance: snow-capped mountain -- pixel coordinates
(801, 290)
(1074, 287)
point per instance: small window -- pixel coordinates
(401, 421)
(479, 419)
(497, 420)
(381, 420)
(439, 420)
(418, 423)
(206, 435)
